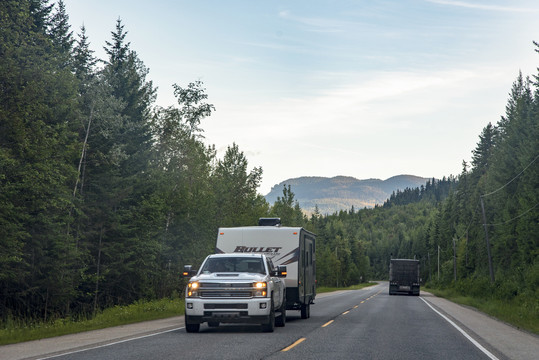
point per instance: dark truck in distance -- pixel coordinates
(404, 276)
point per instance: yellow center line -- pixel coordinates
(326, 324)
(355, 307)
(346, 312)
(294, 344)
(363, 301)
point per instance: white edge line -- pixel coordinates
(109, 344)
(479, 346)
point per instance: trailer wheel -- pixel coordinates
(305, 311)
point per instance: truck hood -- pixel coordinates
(233, 277)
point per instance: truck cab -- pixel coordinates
(235, 288)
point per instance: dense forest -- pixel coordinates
(104, 195)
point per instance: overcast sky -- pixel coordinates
(368, 89)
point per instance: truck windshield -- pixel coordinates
(233, 264)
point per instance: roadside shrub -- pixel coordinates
(505, 290)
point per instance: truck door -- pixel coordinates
(277, 294)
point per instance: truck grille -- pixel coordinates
(224, 306)
(226, 290)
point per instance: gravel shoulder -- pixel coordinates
(75, 342)
(505, 341)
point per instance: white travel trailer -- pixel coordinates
(293, 247)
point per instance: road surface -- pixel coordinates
(358, 324)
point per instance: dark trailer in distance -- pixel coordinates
(404, 277)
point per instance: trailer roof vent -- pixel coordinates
(269, 222)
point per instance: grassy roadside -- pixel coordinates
(520, 314)
(324, 289)
(515, 313)
(19, 331)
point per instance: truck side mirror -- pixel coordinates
(281, 271)
(188, 271)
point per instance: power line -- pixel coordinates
(516, 217)
(513, 179)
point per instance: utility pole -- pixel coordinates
(490, 269)
(454, 260)
(466, 249)
(428, 256)
(438, 262)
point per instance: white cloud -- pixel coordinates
(317, 24)
(397, 115)
(472, 5)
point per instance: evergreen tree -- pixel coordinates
(126, 75)
(236, 190)
(37, 153)
(482, 154)
(83, 58)
(60, 32)
(115, 174)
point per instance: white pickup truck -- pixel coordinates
(235, 288)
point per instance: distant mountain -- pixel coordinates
(342, 192)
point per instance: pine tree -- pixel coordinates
(236, 189)
(482, 154)
(126, 75)
(60, 32)
(83, 58)
(287, 208)
(38, 147)
(116, 175)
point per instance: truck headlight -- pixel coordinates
(260, 289)
(192, 289)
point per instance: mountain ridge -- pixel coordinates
(332, 194)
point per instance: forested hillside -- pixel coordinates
(448, 224)
(104, 195)
(331, 195)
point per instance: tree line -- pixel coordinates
(104, 195)
(476, 232)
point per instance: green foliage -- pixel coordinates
(104, 196)
(287, 209)
(16, 330)
(237, 201)
(520, 311)
(325, 289)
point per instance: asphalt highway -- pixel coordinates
(359, 324)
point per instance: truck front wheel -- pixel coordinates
(270, 325)
(190, 327)
(280, 320)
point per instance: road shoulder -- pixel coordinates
(75, 342)
(505, 341)
(496, 335)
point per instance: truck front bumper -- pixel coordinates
(253, 311)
